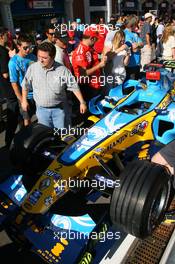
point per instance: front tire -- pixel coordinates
(28, 151)
(139, 204)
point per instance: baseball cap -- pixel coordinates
(17, 30)
(91, 32)
(38, 37)
(62, 35)
(147, 15)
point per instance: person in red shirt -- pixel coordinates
(102, 32)
(86, 65)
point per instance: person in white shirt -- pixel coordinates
(168, 41)
(118, 58)
(112, 29)
(62, 56)
(159, 30)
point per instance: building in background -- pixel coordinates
(87, 10)
(6, 19)
(32, 14)
(35, 14)
(159, 7)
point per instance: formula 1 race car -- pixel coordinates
(129, 126)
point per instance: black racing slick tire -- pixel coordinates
(28, 146)
(139, 204)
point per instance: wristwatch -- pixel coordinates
(83, 102)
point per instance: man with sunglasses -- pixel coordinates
(18, 65)
(50, 34)
(61, 43)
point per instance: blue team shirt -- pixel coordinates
(135, 56)
(18, 67)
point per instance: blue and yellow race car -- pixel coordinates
(112, 156)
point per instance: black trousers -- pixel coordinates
(132, 73)
(13, 116)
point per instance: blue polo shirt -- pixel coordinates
(135, 56)
(17, 69)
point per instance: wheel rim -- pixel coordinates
(45, 151)
(42, 154)
(37, 161)
(48, 145)
(158, 206)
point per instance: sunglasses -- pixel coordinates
(27, 47)
(93, 38)
(51, 33)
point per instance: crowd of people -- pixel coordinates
(55, 74)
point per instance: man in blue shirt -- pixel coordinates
(133, 68)
(18, 66)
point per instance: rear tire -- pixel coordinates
(139, 204)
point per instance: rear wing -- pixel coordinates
(153, 69)
(169, 64)
(161, 64)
